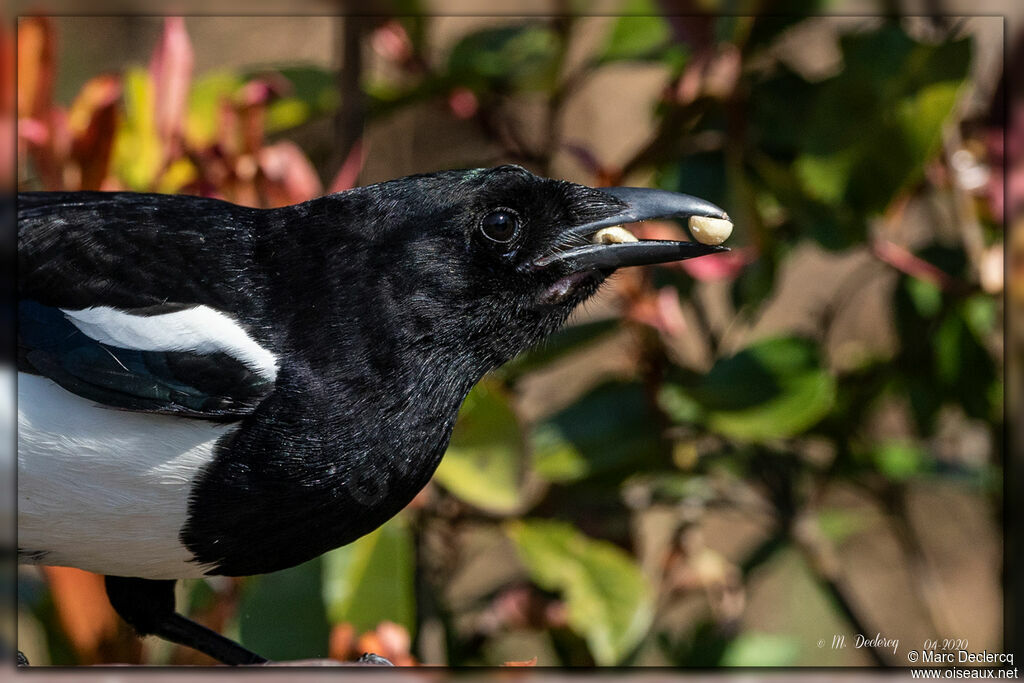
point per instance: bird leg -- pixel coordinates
(148, 607)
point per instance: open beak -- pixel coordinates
(641, 204)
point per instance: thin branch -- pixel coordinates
(926, 581)
(821, 558)
(350, 119)
(701, 316)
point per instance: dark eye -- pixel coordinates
(500, 225)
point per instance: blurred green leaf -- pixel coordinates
(756, 282)
(372, 579)
(825, 177)
(204, 102)
(138, 150)
(482, 464)
(965, 366)
(780, 107)
(774, 388)
(609, 428)
(838, 524)
(514, 58)
(767, 27)
(555, 458)
(980, 313)
(840, 150)
(641, 34)
(872, 127)
(703, 175)
(834, 227)
(200, 596)
(282, 614)
(926, 296)
(899, 460)
(385, 96)
(609, 600)
(674, 487)
(678, 405)
(943, 356)
(948, 341)
(761, 649)
(314, 93)
(286, 113)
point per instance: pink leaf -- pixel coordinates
(8, 61)
(463, 103)
(260, 91)
(33, 131)
(525, 662)
(349, 173)
(93, 122)
(36, 59)
(391, 41)
(290, 177)
(722, 266)
(661, 310)
(904, 261)
(171, 71)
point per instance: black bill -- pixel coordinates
(641, 204)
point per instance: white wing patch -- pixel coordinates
(106, 490)
(200, 329)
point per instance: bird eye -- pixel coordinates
(500, 225)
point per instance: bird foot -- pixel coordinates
(370, 658)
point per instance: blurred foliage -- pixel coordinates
(764, 425)
(608, 599)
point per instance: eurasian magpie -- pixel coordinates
(205, 388)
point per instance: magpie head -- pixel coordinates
(496, 259)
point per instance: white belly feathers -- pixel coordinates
(106, 490)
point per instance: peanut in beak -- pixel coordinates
(707, 230)
(616, 234)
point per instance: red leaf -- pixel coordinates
(904, 261)
(661, 310)
(252, 109)
(391, 41)
(525, 662)
(171, 71)
(342, 642)
(463, 103)
(722, 266)
(289, 176)
(83, 609)
(33, 131)
(8, 159)
(36, 56)
(7, 68)
(93, 121)
(48, 141)
(388, 640)
(349, 173)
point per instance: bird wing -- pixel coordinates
(94, 323)
(207, 381)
